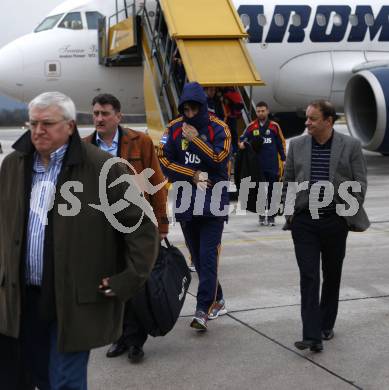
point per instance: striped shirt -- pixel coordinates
(320, 171)
(43, 187)
(113, 149)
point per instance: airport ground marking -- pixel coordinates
(333, 373)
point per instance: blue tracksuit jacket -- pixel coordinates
(208, 152)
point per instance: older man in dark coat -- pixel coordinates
(68, 257)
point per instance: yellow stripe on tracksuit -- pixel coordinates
(207, 150)
(175, 167)
(166, 163)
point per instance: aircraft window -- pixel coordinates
(72, 21)
(48, 23)
(321, 20)
(369, 19)
(262, 20)
(296, 20)
(92, 19)
(279, 20)
(337, 20)
(353, 19)
(245, 20)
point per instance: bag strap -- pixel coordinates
(167, 242)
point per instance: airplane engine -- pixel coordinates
(367, 108)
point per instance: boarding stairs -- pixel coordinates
(206, 36)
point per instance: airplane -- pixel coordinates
(305, 50)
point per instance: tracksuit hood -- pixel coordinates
(193, 92)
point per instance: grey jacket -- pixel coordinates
(347, 163)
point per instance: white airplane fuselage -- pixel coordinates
(303, 52)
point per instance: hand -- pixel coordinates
(189, 132)
(105, 289)
(162, 236)
(241, 145)
(201, 180)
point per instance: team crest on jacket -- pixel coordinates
(203, 137)
(256, 132)
(184, 144)
(267, 132)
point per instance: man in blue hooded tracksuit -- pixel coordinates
(194, 154)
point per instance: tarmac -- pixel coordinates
(252, 346)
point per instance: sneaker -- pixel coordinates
(271, 221)
(192, 268)
(199, 321)
(218, 309)
(262, 220)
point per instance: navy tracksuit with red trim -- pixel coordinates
(269, 145)
(202, 221)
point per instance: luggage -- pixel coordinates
(159, 303)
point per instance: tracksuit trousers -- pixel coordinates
(203, 239)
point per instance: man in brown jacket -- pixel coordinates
(138, 149)
(65, 271)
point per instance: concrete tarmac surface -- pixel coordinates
(252, 346)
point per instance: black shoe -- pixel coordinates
(327, 334)
(135, 354)
(116, 349)
(314, 346)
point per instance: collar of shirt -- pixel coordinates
(327, 144)
(263, 125)
(55, 158)
(115, 141)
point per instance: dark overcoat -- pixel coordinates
(85, 247)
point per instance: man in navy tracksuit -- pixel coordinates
(267, 140)
(195, 151)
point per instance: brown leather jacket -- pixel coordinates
(138, 149)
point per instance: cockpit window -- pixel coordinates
(72, 21)
(48, 23)
(92, 19)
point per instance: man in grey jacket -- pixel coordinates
(330, 171)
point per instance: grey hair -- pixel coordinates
(57, 99)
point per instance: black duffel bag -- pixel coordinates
(159, 303)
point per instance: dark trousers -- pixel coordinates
(133, 330)
(203, 239)
(270, 178)
(44, 366)
(314, 239)
(11, 370)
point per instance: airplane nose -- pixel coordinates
(11, 71)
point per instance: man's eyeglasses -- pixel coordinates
(46, 124)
